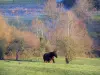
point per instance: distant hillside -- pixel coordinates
(97, 4)
(22, 1)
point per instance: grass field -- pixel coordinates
(79, 66)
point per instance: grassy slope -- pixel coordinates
(96, 17)
(76, 67)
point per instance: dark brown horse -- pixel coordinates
(47, 57)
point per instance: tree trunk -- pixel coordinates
(67, 61)
(17, 55)
(1, 55)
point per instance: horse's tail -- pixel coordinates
(44, 57)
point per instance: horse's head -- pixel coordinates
(55, 53)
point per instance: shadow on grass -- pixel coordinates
(8, 60)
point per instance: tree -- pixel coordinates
(70, 25)
(83, 9)
(67, 45)
(17, 45)
(45, 45)
(97, 4)
(43, 42)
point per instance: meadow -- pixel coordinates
(36, 66)
(79, 66)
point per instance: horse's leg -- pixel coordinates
(50, 61)
(45, 61)
(53, 60)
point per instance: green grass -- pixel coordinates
(79, 66)
(96, 17)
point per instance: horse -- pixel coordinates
(47, 57)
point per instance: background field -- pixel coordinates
(80, 66)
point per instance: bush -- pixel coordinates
(2, 49)
(68, 46)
